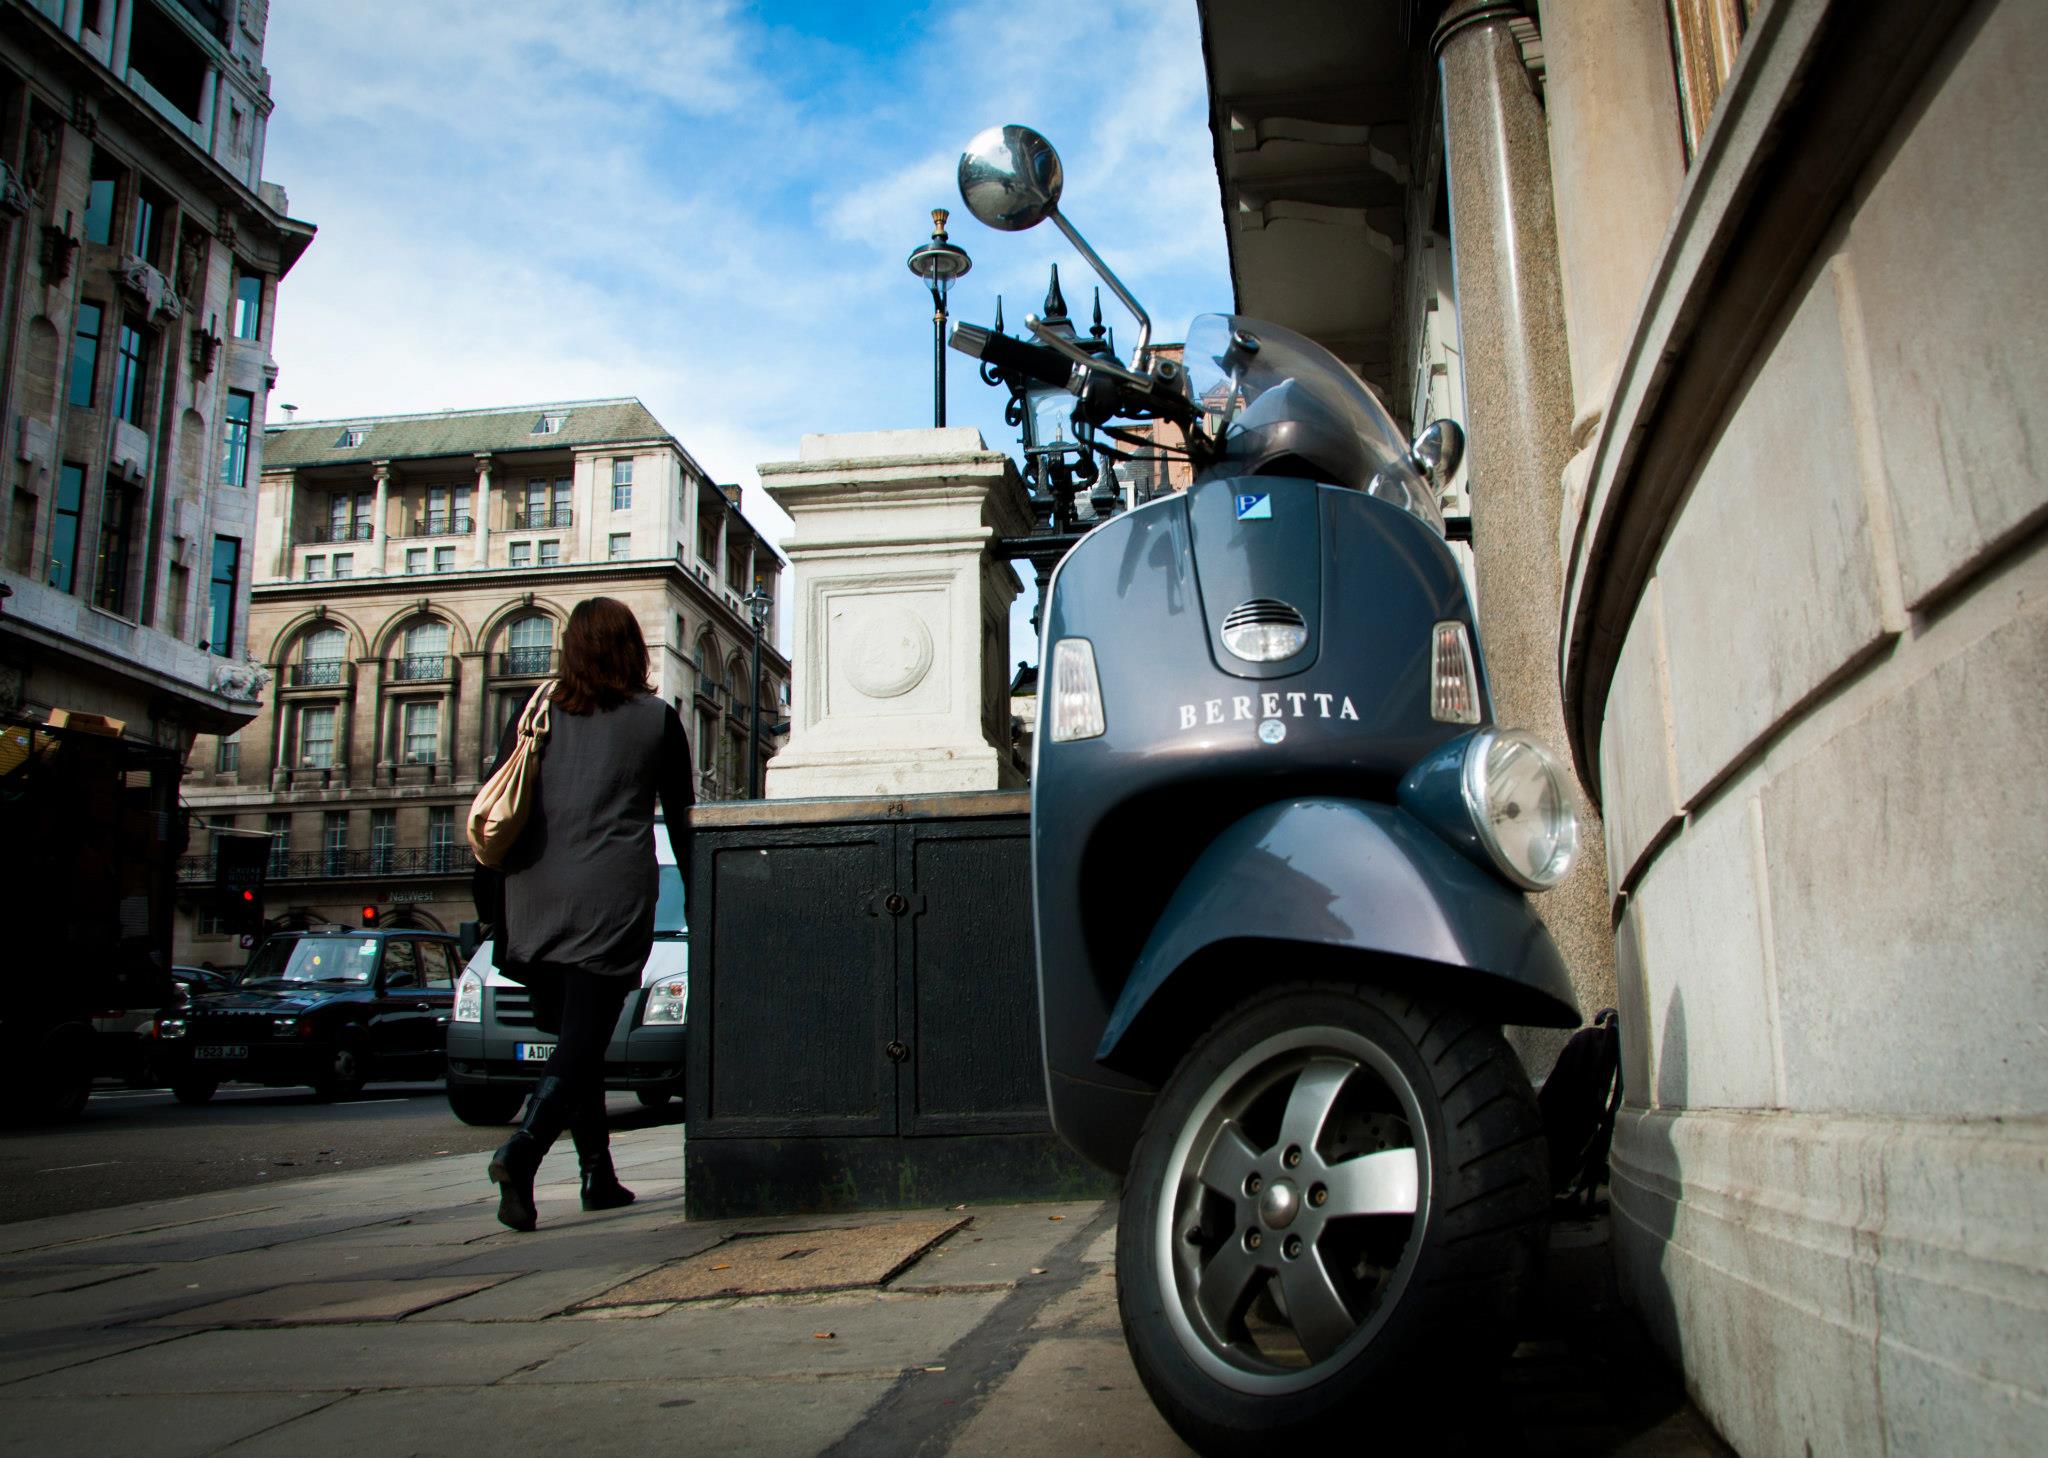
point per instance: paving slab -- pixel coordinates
(797, 1260)
(768, 1419)
(162, 1427)
(1076, 1397)
(19, 1282)
(313, 1358)
(870, 1333)
(309, 1302)
(1000, 1246)
(30, 1352)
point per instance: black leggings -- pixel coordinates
(581, 1009)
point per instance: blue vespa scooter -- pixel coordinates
(1281, 861)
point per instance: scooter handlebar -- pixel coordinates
(1035, 361)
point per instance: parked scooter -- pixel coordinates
(1280, 858)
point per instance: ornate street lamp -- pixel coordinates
(938, 263)
(758, 603)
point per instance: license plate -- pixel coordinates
(221, 1050)
(533, 1052)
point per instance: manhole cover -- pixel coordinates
(802, 1260)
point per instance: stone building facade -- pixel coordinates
(413, 576)
(1743, 301)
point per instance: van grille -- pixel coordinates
(512, 1006)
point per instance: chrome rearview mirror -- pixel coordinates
(1437, 452)
(1010, 178)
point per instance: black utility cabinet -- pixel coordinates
(863, 1023)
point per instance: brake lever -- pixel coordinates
(1100, 363)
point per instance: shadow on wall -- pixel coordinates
(1645, 1175)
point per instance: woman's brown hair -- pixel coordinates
(604, 658)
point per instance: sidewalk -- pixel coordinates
(385, 1312)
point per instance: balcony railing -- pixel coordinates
(441, 524)
(354, 531)
(316, 673)
(545, 519)
(452, 859)
(422, 667)
(528, 662)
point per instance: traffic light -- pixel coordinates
(370, 917)
(238, 866)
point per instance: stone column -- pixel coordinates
(380, 529)
(1617, 164)
(1518, 411)
(481, 543)
(900, 605)
(466, 701)
(364, 726)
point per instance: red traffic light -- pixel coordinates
(248, 895)
(369, 916)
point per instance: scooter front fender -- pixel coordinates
(1348, 876)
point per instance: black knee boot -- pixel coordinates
(518, 1158)
(601, 1187)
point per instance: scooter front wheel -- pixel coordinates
(1339, 1193)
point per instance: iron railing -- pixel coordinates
(316, 673)
(328, 865)
(441, 524)
(545, 519)
(528, 662)
(422, 667)
(359, 531)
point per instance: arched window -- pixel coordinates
(323, 654)
(424, 654)
(735, 680)
(703, 658)
(529, 646)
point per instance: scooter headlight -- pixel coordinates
(1264, 630)
(1076, 691)
(1520, 801)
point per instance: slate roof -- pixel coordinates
(501, 430)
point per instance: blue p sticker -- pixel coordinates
(1255, 508)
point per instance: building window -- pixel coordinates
(316, 569)
(425, 652)
(448, 509)
(415, 561)
(349, 515)
(550, 554)
(316, 737)
(248, 315)
(280, 831)
(344, 564)
(64, 527)
(621, 546)
(444, 559)
(227, 754)
(334, 841)
(99, 198)
(622, 484)
(227, 566)
(234, 455)
(131, 363)
(520, 554)
(529, 645)
(736, 568)
(707, 538)
(110, 582)
(322, 655)
(383, 841)
(351, 436)
(145, 240)
(441, 855)
(422, 730)
(85, 355)
(549, 425)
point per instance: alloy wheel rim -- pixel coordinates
(1291, 1210)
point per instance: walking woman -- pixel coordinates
(579, 889)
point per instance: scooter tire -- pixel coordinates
(1432, 1285)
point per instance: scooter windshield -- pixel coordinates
(1282, 404)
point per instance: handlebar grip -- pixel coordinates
(1048, 366)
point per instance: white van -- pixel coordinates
(495, 1053)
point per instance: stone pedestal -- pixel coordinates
(902, 614)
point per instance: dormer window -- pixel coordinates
(548, 424)
(351, 436)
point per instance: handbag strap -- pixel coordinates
(533, 720)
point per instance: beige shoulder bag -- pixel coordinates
(499, 811)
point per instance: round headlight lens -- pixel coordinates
(1520, 800)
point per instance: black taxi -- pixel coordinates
(331, 1008)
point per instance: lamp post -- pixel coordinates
(758, 603)
(938, 263)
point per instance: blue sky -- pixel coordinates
(708, 205)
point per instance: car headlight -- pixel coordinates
(1520, 801)
(170, 1027)
(284, 1027)
(666, 1001)
(469, 999)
